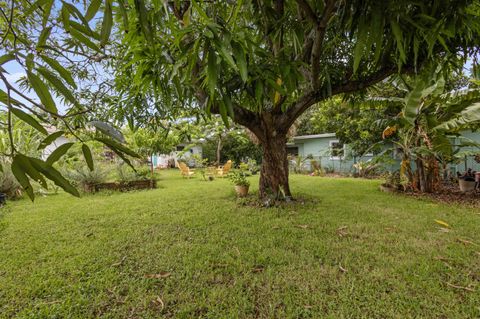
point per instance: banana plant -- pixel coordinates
(429, 115)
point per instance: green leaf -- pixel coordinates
(54, 175)
(108, 129)
(58, 153)
(57, 83)
(42, 92)
(212, 73)
(86, 31)
(397, 32)
(223, 113)
(229, 105)
(239, 54)
(50, 139)
(117, 146)
(84, 40)
(88, 156)
(123, 10)
(60, 69)
(46, 12)
(107, 22)
(75, 12)
(27, 167)
(65, 18)
(92, 9)
(42, 39)
(36, 5)
(30, 120)
(7, 58)
(143, 19)
(19, 173)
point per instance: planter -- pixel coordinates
(241, 190)
(466, 186)
(388, 189)
(122, 186)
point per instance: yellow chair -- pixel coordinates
(223, 170)
(185, 170)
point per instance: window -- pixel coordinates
(336, 150)
(292, 150)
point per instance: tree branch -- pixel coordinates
(345, 86)
(318, 42)
(303, 4)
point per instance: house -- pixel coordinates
(183, 152)
(334, 156)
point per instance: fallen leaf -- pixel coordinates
(342, 269)
(444, 230)
(120, 262)
(258, 268)
(464, 241)
(442, 223)
(308, 307)
(163, 274)
(341, 231)
(302, 226)
(159, 301)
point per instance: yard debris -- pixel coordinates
(466, 242)
(341, 231)
(444, 230)
(258, 268)
(162, 274)
(158, 301)
(342, 269)
(307, 307)
(302, 226)
(120, 262)
(444, 260)
(460, 287)
(442, 223)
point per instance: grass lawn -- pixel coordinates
(189, 250)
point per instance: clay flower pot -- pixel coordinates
(241, 190)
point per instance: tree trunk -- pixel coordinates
(219, 149)
(274, 171)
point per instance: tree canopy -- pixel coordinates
(259, 63)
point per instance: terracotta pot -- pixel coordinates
(241, 190)
(466, 186)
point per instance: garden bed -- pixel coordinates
(449, 194)
(121, 186)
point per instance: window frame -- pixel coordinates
(337, 158)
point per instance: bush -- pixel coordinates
(126, 174)
(82, 175)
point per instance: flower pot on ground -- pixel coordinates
(241, 190)
(466, 185)
(241, 183)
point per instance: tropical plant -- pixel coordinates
(421, 129)
(239, 178)
(260, 63)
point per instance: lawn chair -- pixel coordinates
(222, 171)
(185, 170)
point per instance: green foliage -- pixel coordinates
(239, 178)
(81, 175)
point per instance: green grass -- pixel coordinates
(89, 257)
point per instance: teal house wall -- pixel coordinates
(319, 147)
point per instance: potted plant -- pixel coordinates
(241, 183)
